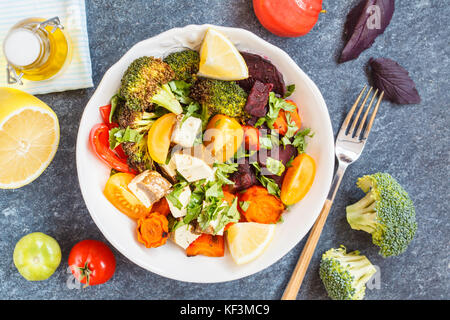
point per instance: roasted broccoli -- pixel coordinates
(140, 121)
(217, 96)
(138, 157)
(345, 275)
(386, 212)
(184, 64)
(145, 83)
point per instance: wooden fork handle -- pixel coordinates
(291, 291)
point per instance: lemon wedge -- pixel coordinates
(248, 240)
(219, 58)
(29, 137)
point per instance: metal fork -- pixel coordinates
(350, 143)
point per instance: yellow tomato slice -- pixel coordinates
(223, 137)
(159, 137)
(298, 180)
(117, 192)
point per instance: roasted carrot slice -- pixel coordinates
(261, 207)
(153, 230)
(162, 207)
(207, 245)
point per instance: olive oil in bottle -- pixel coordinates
(36, 49)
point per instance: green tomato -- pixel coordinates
(37, 256)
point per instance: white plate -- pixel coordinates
(169, 260)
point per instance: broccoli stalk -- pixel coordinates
(140, 121)
(165, 98)
(345, 275)
(386, 212)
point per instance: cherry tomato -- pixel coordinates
(117, 192)
(298, 180)
(99, 141)
(159, 137)
(288, 18)
(251, 138)
(223, 137)
(92, 262)
(37, 256)
(281, 125)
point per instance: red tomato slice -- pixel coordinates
(99, 141)
(105, 112)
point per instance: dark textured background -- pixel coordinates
(410, 142)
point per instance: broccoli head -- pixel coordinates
(144, 84)
(140, 121)
(138, 157)
(217, 96)
(345, 275)
(185, 64)
(386, 212)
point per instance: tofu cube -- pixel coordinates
(184, 197)
(185, 132)
(192, 168)
(149, 187)
(184, 236)
(169, 170)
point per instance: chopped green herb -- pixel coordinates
(118, 136)
(300, 140)
(271, 186)
(275, 166)
(244, 205)
(181, 90)
(289, 90)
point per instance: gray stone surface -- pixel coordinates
(410, 142)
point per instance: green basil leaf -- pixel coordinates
(275, 166)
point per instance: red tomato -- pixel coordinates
(92, 262)
(105, 112)
(251, 138)
(99, 140)
(288, 18)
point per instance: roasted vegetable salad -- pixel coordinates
(198, 157)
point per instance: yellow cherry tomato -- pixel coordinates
(159, 137)
(117, 192)
(223, 137)
(298, 180)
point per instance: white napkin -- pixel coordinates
(72, 14)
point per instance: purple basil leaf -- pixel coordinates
(394, 80)
(364, 23)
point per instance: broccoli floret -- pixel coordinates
(138, 157)
(345, 275)
(146, 83)
(185, 64)
(217, 96)
(140, 121)
(386, 212)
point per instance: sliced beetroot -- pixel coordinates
(284, 154)
(244, 177)
(262, 70)
(257, 99)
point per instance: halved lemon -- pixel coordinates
(248, 240)
(29, 137)
(219, 58)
